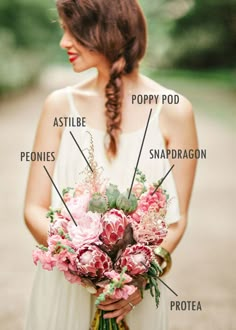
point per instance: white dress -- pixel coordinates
(56, 304)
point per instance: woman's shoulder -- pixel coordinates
(59, 100)
(174, 104)
(176, 112)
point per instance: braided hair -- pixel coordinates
(116, 29)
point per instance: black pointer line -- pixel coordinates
(60, 195)
(81, 151)
(150, 113)
(160, 280)
(167, 286)
(163, 179)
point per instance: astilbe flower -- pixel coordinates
(114, 223)
(136, 258)
(92, 262)
(151, 229)
(156, 202)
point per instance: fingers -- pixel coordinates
(120, 309)
(109, 302)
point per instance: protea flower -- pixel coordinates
(128, 205)
(92, 262)
(114, 223)
(98, 203)
(136, 258)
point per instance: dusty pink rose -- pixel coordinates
(77, 206)
(87, 231)
(44, 257)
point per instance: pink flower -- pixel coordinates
(138, 189)
(45, 258)
(72, 278)
(114, 223)
(151, 229)
(87, 231)
(77, 207)
(136, 258)
(121, 293)
(92, 262)
(113, 275)
(59, 223)
(65, 261)
(156, 202)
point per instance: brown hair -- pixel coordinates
(116, 29)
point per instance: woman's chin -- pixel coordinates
(78, 69)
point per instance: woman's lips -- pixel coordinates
(72, 57)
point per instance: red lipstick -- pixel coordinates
(72, 56)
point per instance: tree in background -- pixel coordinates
(28, 37)
(206, 36)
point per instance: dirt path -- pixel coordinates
(204, 263)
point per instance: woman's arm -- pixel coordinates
(178, 128)
(38, 193)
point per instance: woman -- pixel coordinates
(111, 37)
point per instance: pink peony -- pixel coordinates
(87, 231)
(114, 223)
(77, 207)
(45, 258)
(136, 258)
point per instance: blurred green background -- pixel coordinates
(190, 42)
(191, 49)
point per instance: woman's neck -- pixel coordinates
(130, 81)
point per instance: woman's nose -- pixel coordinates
(66, 41)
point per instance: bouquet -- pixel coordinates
(103, 239)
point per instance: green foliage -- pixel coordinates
(28, 37)
(182, 34)
(205, 36)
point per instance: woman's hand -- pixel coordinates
(120, 308)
